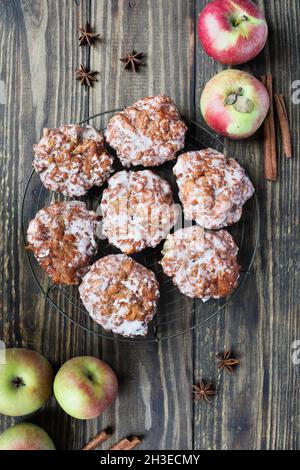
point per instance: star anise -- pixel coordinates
(227, 362)
(133, 60)
(87, 36)
(202, 392)
(86, 76)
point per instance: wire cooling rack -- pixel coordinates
(176, 314)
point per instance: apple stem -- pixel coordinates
(231, 99)
(240, 102)
(18, 382)
(239, 20)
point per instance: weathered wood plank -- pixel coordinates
(38, 57)
(160, 378)
(38, 42)
(258, 408)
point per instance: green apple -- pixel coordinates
(234, 104)
(25, 436)
(25, 382)
(85, 386)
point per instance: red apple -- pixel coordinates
(232, 31)
(25, 436)
(85, 386)
(25, 382)
(234, 104)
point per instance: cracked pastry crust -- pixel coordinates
(212, 189)
(71, 159)
(63, 240)
(120, 294)
(148, 133)
(138, 210)
(201, 263)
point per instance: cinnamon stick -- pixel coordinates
(270, 150)
(284, 124)
(98, 440)
(126, 444)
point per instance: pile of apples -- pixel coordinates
(84, 387)
(233, 32)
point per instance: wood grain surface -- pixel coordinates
(256, 408)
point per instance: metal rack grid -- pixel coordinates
(171, 320)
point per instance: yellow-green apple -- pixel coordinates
(234, 104)
(25, 436)
(25, 382)
(232, 31)
(85, 386)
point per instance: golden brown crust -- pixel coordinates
(148, 133)
(202, 263)
(71, 159)
(63, 240)
(138, 210)
(212, 189)
(120, 294)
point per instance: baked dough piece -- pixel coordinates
(71, 159)
(148, 133)
(201, 263)
(212, 189)
(138, 210)
(120, 294)
(63, 240)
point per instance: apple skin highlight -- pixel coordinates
(85, 386)
(226, 119)
(25, 436)
(25, 382)
(232, 32)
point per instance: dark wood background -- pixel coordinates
(258, 407)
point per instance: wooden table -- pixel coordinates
(258, 407)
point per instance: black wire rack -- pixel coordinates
(176, 314)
